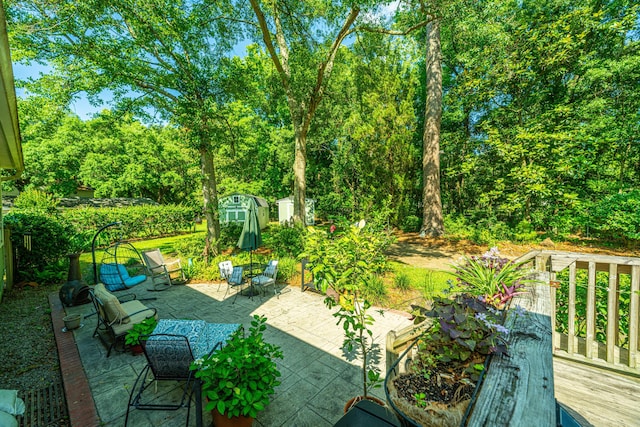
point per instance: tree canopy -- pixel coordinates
(540, 104)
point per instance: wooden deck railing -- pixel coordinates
(602, 327)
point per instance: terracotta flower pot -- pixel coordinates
(221, 420)
(136, 349)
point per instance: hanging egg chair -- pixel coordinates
(122, 267)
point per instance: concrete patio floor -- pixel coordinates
(316, 379)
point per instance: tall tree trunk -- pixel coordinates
(210, 195)
(300, 181)
(432, 223)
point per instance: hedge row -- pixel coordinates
(136, 221)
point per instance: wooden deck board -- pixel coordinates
(600, 397)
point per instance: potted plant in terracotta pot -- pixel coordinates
(345, 263)
(239, 378)
(132, 338)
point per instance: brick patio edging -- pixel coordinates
(82, 408)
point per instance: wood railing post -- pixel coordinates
(612, 312)
(591, 310)
(634, 317)
(392, 355)
(571, 315)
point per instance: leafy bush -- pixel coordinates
(524, 232)
(41, 241)
(137, 221)
(458, 227)
(285, 240)
(36, 200)
(190, 247)
(618, 216)
(229, 234)
(287, 268)
(488, 231)
(411, 224)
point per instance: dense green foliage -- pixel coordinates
(540, 117)
(240, 377)
(136, 221)
(40, 242)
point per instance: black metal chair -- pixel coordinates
(168, 359)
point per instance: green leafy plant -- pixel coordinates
(239, 378)
(145, 327)
(494, 277)
(347, 263)
(285, 239)
(41, 241)
(463, 325)
(421, 400)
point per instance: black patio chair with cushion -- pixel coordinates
(116, 316)
(168, 359)
(233, 277)
(268, 277)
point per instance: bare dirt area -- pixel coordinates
(441, 253)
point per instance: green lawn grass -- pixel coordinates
(429, 282)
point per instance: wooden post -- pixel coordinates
(571, 315)
(9, 265)
(612, 312)
(634, 317)
(591, 310)
(392, 355)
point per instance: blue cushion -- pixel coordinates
(135, 280)
(110, 276)
(116, 277)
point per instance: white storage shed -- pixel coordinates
(285, 210)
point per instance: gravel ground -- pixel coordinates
(28, 350)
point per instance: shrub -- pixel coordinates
(36, 200)
(411, 224)
(137, 221)
(285, 240)
(457, 227)
(618, 216)
(229, 234)
(41, 241)
(287, 267)
(190, 247)
(524, 232)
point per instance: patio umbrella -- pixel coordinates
(251, 237)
